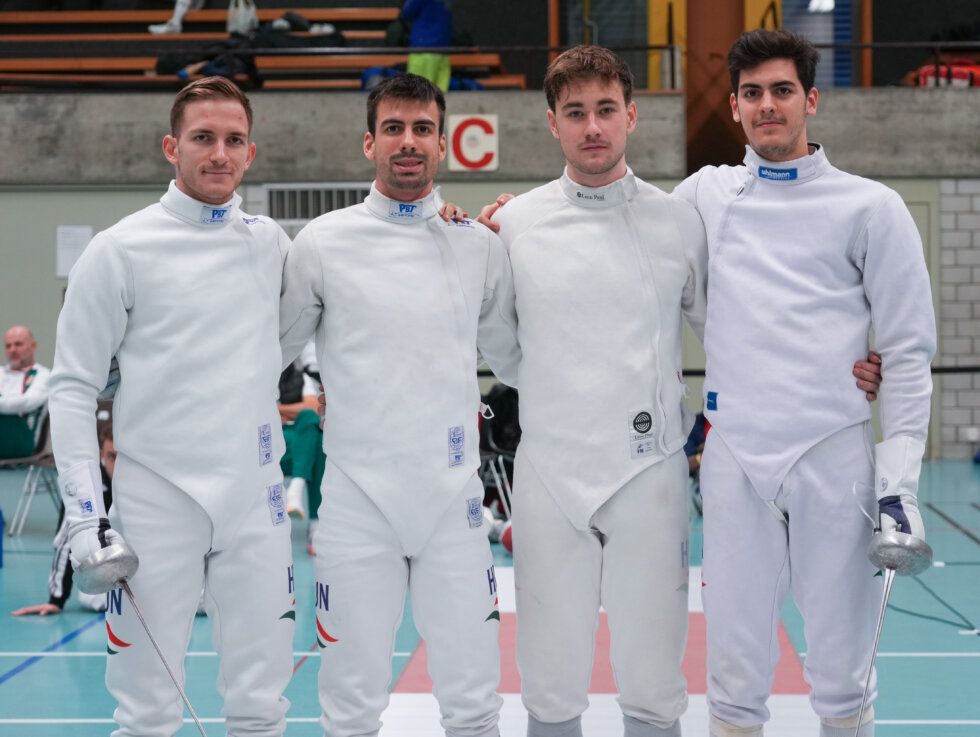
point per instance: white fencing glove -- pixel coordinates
(88, 524)
(898, 462)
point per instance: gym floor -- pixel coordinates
(51, 668)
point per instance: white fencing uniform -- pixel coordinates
(602, 277)
(185, 295)
(400, 301)
(804, 260)
(24, 393)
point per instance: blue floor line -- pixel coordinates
(50, 648)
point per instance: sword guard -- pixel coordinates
(104, 569)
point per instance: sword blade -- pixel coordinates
(180, 689)
(889, 579)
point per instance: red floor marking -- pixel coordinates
(788, 680)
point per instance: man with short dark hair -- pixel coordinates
(804, 260)
(402, 303)
(23, 394)
(185, 295)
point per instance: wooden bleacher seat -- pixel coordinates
(212, 15)
(343, 62)
(70, 38)
(110, 48)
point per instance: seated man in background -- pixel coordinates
(23, 394)
(60, 580)
(304, 458)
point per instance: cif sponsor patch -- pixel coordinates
(277, 507)
(711, 401)
(457, 439)
(265, 444)
(641, 433)
(474, 511)
(778, 175)
(212, 215)
(405, 210)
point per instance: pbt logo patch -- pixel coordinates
(405, 210)
(211, 215)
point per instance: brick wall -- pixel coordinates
(959, 314)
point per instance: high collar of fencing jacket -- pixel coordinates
(796, 171)
(610, 195)
(396, 211)
(193, 211)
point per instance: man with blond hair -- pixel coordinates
(184, 293)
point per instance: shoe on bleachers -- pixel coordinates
(296, 498)
(170, 27)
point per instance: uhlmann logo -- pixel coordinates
(766, 173)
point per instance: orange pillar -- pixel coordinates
(554, 34)
(867, 36)
(712, 136)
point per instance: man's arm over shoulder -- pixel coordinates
(90, 329)
(301, 298)
(497, 329)
(522, 212)
(688, 189)
(694, 299)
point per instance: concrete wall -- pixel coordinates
(900, 132)
(90, 159)
(114, 139)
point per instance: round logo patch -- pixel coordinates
(642, 422)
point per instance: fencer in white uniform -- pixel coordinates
(185, 294)
(602, 276)
(400, 302)
(804, 260)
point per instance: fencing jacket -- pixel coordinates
(186, 296)
(400, 301)
(804, 260)
(602, 277)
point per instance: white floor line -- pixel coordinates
(417, 715)
(192, 654)
(936, 654)
(929, 722)
(414, 715)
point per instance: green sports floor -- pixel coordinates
(51, 668)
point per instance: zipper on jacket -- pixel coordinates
(648, 285)
(726, 217)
